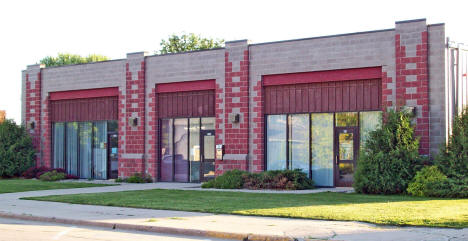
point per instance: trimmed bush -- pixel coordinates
(16, 149)
(389, 158)
(36, 172)
(136, 178)
(426, 181)
(232, 179)
(280, 180)
(52, 176)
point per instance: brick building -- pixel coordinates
(186, 117)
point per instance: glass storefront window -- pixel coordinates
(369, 121)
(166, 150)
(208, 123)
(72, 148)
(299, 142)
(85, 149)
(322, 148)
(100, 150)
(346, 119)
(276, 142)
(59, 145)
(181, 150)
(194, 145)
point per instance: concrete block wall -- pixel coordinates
(238, 70)
(236, 102)
(32, 118)
(412, 81)
(132, 138)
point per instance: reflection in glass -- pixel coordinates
(209, 155)
(166, 150)
(100, 150)
(208, 123)
(322, 149)
(346, 171)
(180, 148)
(72, 148)
(346, 119)
(194, 145)
(276, 142)
(59, 145)
(346, 146)
(368, 121)
(85, 149)
(299, 142)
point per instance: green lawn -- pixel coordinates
(24, 185)
(393, 210)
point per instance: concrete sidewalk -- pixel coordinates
(204, 224)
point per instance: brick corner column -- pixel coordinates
(152, 128)
(132, 105)
(33, 108)
(412, 82)
(236, 103)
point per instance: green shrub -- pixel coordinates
(52, 176)
(281, 180)
(453, 158)
(389, 159)
(452, 161)
(16, 149)
(229, 180)
(136, 178)
(426, 182)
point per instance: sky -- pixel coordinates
(31, 30)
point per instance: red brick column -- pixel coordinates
(258, 135)
(236, 103)
(33, 108)
(153, 128)
(46, 134)
(412, 82)
(132, 137)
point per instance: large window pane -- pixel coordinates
(369, 121)
(346, 119)
(276, 142)
(72, 148)
(100, 150)
(166, 150)
(194, 152)
(299, 142)
(85, 149)
(181, 150)
(59, 145)
(322, 149)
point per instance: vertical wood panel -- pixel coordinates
(356, 95)
(186, 104)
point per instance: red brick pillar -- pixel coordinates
(132, 117)
(46, 139)
(152, 134)
(33, 108)
(235, 108)
(412, 82)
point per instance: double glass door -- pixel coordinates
(187, 149)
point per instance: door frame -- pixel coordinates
(338, 130)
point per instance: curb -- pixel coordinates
(153, 229)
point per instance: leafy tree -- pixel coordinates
(188, 42)
(16, 149)
(389, 159)
(67, 59)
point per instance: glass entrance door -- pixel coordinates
(207, 149)
(346, 146)
(113, 155)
